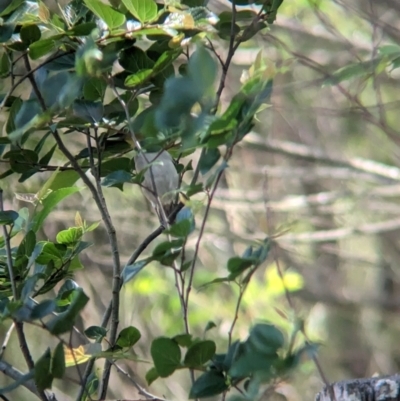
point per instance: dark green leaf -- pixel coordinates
(16, 105)
(8, 217)
(209, 158)
(119, 163)
(208, 384)
(42, 374)
(82, 29)
(135, 59)
(90, 111)
(96, 333)
(130, 271)
(94, 89)
(266, 339)
(6, 32)
(183, 340)
(65, 320)
(128, 337)
(166, 356)
(43, 309)
(58, 362)
(168, 251)
(199, 353)
(183, 227)
(237, 265)
(210, 325)
(151, 375)
(30, 34)
(117, 179)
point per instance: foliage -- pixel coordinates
(164, 94)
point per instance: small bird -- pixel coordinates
(161, 180)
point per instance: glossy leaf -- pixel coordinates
(96, 333)
(208, 384)
(128, 337)
(109, 15)
(8, 217)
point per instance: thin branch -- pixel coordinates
(28, 74)
(141, 390)
(16, 375)
(98, 197)
(299, 151)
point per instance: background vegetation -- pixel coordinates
(314, 182)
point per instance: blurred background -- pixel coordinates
(320, 172)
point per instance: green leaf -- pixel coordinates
(42, 47)
(168, 251)
(51, 253)
(238, 265)
(166, 356)
(49, 203)
(58, 362)
(96, 333)
(42, 375)
(62, 179)
(15, 107)
(142, 10)
(109, 15)
(183, 226)
(202, 68)
(139, 78)
(208, 384)
(116, 164)
(65, 321)
(43, 309)
(130, 271)
(117, 179)
(151, 375)
(209, 158)
(183, 340)
(82, 29)
(88, 110)
(8, 217)
(7, 7)
(135, 59)
(30, 34)
(210, 325)
(6, 32)
(199, 353)
(128, 337)
(94, 89)
(5, 65)
(70, 236)
(266, 339)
